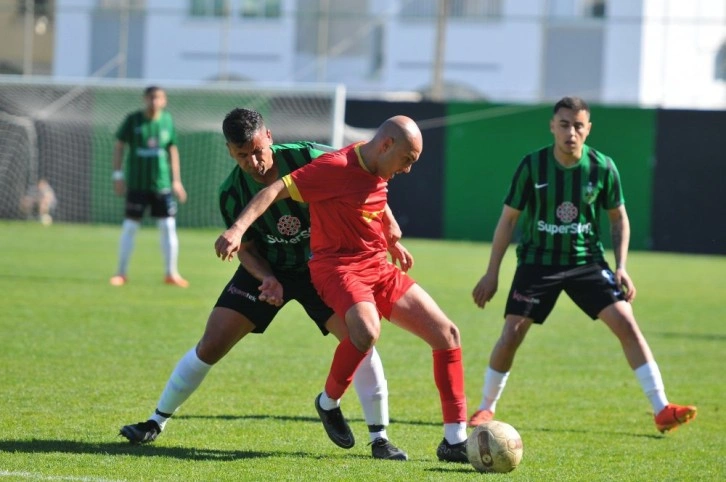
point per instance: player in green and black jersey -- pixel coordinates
(559, 192)
(151, 176)
(273, 270)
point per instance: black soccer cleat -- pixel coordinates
(447, 452)
(335, 425)
(141, 433)
(385, 450)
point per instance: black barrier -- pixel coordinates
(689, 212)
(416, 198)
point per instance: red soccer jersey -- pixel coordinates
(346, 205)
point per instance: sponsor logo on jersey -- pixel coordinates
(149, 152)
(566, 212)
(301, 236)
(288, 225)
(152, 143)
(572, 228)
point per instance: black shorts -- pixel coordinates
(162, 204)
(535, 289)
(242, 291)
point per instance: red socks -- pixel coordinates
(345, 362)
(449, 378)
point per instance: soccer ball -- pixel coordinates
(494, 447)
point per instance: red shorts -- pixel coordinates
(341, 284)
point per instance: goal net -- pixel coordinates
(64, 133)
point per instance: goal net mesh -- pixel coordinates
(64, 133)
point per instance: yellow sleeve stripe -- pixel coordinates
(292, 188)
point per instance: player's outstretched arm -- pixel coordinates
(228, 243)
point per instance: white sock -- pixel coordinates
(455, 433)
(494, 383)
(372, 389)
(327, 403)
(169, 244)
(652, 384)
(186, 377)
(376, 434)
(126, 245)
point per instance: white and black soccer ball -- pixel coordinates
(494, 447)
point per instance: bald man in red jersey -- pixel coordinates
(347, 195)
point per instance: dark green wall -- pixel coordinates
(485, 142)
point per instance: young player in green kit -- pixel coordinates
(151, 179)
(559, 190)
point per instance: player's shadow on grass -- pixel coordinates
(36, 446)
(689, 336)
(289, 418)
(656, 436)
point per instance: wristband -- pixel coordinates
(117, 176)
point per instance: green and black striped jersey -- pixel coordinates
(148, 167)
(561, 206)
(282, 233)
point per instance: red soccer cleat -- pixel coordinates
(176, 281)
(674, 415)
(480, 417)
(118, 280)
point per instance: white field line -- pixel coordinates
(38, 476)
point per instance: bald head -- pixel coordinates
(400, 128)
(395, 146)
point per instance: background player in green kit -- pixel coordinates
(559, 190)
(152, 174)
(273, 270)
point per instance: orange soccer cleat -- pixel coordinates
(480, 417)
(118, 280)
(674, 415)
(176, 280)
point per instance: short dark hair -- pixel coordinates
(151, 89)
(573, 103)
(240, 125)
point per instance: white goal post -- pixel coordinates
(63, 131)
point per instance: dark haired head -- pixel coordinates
(575, 104)
(240, 125)
(151, 89)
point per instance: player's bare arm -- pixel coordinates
(392, 231)
(391, 228)
(401, 256)
(119, 185)
(620, 235)
(270, 288)
(488, 285)
(228, 243)
(176, 183)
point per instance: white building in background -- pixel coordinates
(669, 53)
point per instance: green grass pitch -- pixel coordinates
(80, 359)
